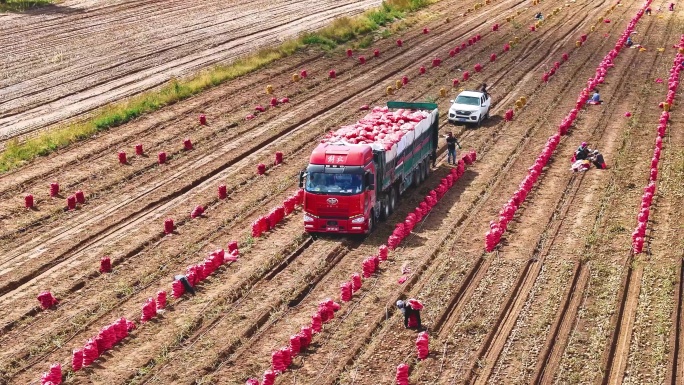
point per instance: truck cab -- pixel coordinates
(470, 107)
(339, 186)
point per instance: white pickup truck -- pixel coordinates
(470, 107)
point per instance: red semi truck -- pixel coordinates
(356, 175)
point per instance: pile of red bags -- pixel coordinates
(422, 345)
(169, 227)
(261, 169)
(383, 251)
(268, 222)
(403, 229)
(161, 300)
(305, 336)
(47, 300)
(177, 289)
(28, 201)
(106, 339)
(316, 322)
(556, 66)
(53, 376)
(279, 360)
(346, 291)
(196, 212)
(402, 374)
(105, 265)
(370, 265)
(497, 228)
(356, 282)
(639, 233)
(380, 126)
(269, 378)
(327, 309)
(54, 190)
(295, 344)
(149, 310)
(199, 272)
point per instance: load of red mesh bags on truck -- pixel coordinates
(379, 126)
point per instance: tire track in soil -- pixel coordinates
(450, 306)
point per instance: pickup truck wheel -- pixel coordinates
(479, 122)
(416, 177)
(421, 171)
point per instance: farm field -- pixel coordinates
(66, 59)
(563, 298)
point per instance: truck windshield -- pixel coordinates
(468, 100)
(322, 183)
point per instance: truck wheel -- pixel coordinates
(415, 179)
(371, 222)
(392, 199)
(385, 209)
(421, 171)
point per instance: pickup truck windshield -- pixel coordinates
(322, 183)
(468, 100)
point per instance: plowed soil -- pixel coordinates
(561, 300)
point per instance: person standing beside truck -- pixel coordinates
(452, 142)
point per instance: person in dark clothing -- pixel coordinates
(648, 11)
(186, 285)
(483, 88)
(408, 312)
(597, 159)
(582, 152)
(452, 142)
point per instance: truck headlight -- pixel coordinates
(358, 220)
(308, 218)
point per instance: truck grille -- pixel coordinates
(466, 113)
(333, 212)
